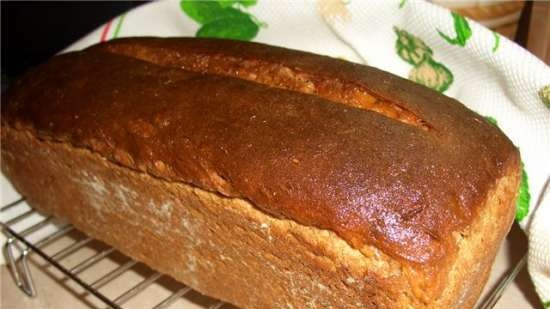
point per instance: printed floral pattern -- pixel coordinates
(334, 9)
(544, 95)
(462, 31)
(522, 204)
(223, 19)
(426, 70)
(497, 41)
(402, 3)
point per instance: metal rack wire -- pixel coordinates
(19, 246)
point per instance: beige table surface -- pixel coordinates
(55, 291)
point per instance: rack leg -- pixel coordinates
(19, 267)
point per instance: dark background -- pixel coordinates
(33, 31)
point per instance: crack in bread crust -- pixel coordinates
(273, 75)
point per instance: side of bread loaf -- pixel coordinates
(315, 182)
(228, 249)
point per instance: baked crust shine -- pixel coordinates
(229, 249)
(395, 171)
(371, 179)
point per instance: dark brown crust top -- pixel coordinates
(372, 179)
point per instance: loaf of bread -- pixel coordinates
(263, 176)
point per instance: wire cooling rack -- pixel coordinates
(22, 241)
(23, 227)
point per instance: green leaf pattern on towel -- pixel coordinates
(497, 42)
(522, 204)
(462, 31)
(427, 71)
(492, 120)
(402, 3)
(432, 74)
(544, 95)
(524, 197)
(411, 48)
(223, 18)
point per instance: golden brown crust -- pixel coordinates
(200, 56)
(371, 178)
(478, 245)
(226, 248)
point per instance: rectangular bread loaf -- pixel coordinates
(262, 176)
